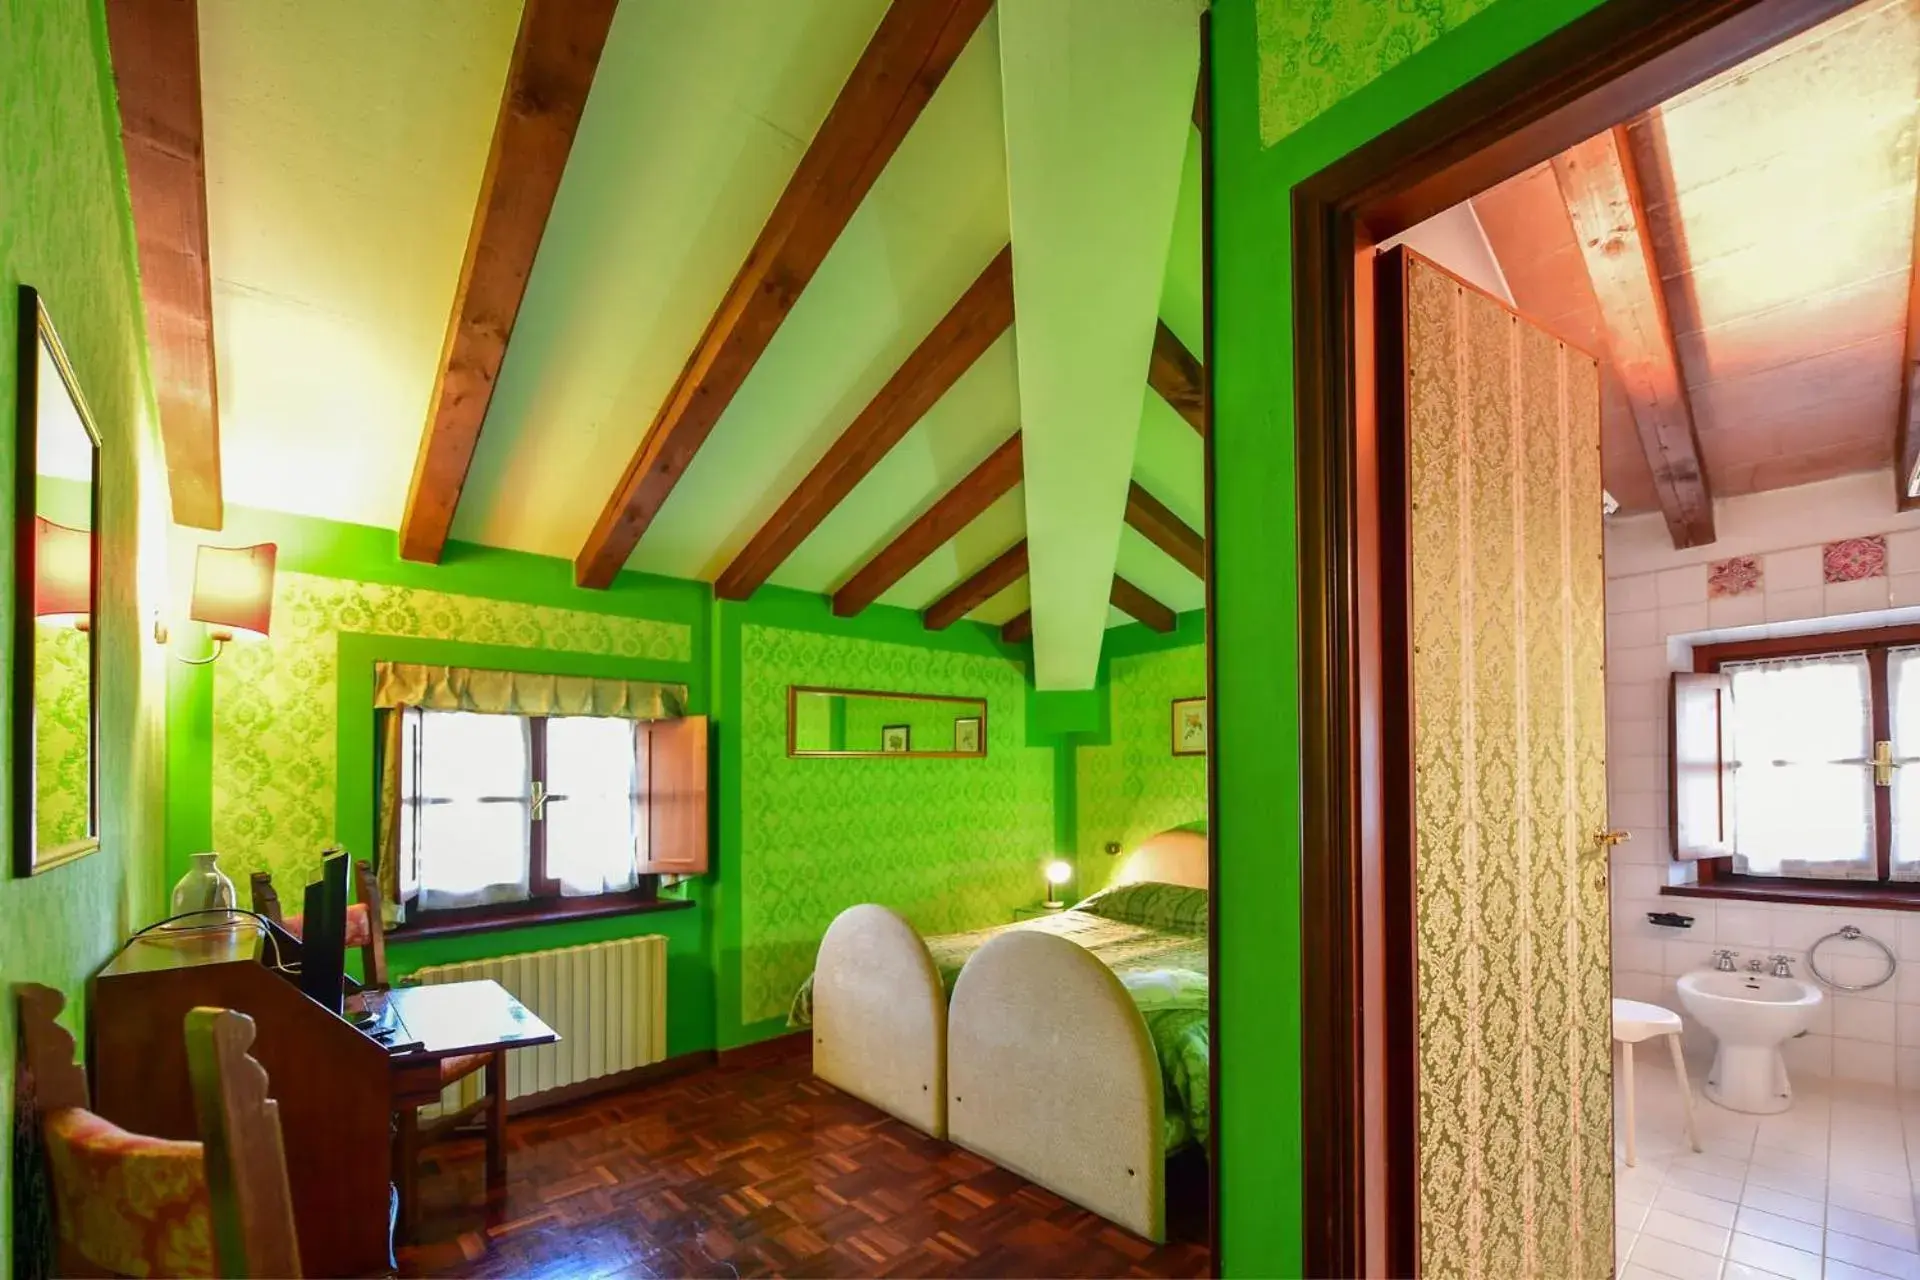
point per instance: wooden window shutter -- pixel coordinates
(676, 765)
(1701, 720)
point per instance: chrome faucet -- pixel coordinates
(1782, 966)
(1755, 965)
(1723, 960)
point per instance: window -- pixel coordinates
(511, 809)
(1799, 761)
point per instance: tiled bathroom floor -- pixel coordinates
(1826, 1189)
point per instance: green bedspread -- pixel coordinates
(1165, 971)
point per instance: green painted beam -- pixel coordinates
(1098, 98)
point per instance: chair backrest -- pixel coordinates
(140, 1205)
(363, 919)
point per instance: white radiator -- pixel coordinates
(608, 1001)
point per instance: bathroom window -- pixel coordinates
(1796, 765)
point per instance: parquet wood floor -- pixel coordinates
(762, 1171)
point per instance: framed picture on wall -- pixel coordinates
(1189, 726)
(896, 739)
(966, 735)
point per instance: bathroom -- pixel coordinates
(1829, 1178)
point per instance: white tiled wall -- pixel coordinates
(1657, 607)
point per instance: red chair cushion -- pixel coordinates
(359, 933)
(134, 1205)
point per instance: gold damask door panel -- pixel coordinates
(1501, 477)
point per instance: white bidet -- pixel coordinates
(1751, 1015)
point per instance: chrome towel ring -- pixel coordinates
(1848, 933)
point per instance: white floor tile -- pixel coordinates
(1782, 1260)
(1771, 1226)
(1895, 1208)
(1691, 1204)
(1901, 1235)
(1679, 1261)
(1784, 1203)
(1691, 1232)
(1885, 1259)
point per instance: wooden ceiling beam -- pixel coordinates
(1178, 377)
(905, 61)
(1140, 606)
(1018, 628)
(971, 326)
(1152, 520)
(1008, 568)
(155, 50)
(1602, 189)
(1906, 442)
(554, 59)
(955, 509)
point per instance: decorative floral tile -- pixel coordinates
(1852, 559)
(1735, 576)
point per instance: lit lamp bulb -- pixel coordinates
(1058, 873)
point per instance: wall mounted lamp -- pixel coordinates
(232, 594)
(62, 574)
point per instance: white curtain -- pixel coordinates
(595, 827)
(1903, 690)
(471, 807)
(1803, 733)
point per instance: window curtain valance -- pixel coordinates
(412, 684)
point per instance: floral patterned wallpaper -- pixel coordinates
(1135, 787)
(1313, 53)
(274, 748)
(950, 844)
(60, 660)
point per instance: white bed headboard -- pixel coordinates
(1172, 857)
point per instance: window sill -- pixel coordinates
(521, 915)
(1869, 896)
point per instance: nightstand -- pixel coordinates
(1037, 910)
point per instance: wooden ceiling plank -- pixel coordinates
(1018, 628)
(1602, 189)
(1152, 520)
(1140, 606)
(1906, 444)
(972, 325)
(955, 509)
(1008, 568)
(554, 58)
(155, 50)
(905, 61)
(1178, 377)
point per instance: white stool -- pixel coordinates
(1634, 1021)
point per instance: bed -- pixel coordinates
(1071, 1048)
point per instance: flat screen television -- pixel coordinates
(323, 934)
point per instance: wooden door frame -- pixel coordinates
(1358, 993)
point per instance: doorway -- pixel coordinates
(1367, 1131)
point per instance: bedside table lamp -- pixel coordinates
(1058, 873)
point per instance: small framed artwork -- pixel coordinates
(896, 739)
(1189, 726)
(966, 735)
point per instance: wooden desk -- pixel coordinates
(332, 1083)
(430, 1025)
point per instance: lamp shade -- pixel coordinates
(233, 589)
(1059, 871)
(62, 572)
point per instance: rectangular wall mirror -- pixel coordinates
(866, 722)
(56, 597)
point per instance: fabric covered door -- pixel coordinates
(1500, 477)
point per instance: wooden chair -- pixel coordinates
(136, 1205)
(366, 931)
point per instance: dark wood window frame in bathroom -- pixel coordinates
(1718, 879)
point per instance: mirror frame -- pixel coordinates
(793, 726)
(36, 327)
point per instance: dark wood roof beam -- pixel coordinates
(1602, 190)
(1178, 377)
(155, 50)
(1140, 606)
(1152, 520)
(1018, 628)
(554, 59)
(983, 486)
(909, 55)
(1007, 569)
(971, 326)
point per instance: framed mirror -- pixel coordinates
(56, 670)
(867, 722)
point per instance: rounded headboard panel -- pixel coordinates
(1172, 857)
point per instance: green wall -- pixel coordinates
(1132, 786)
(1318, 80)
(65, 229)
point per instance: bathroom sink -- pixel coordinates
(1751, 1015)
